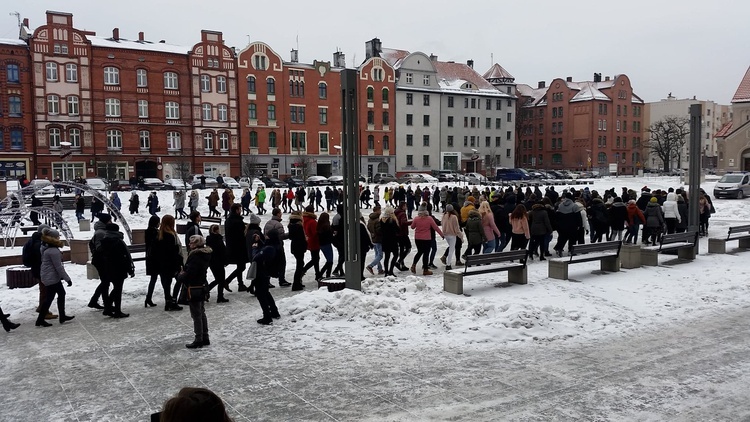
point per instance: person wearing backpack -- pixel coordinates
(116, 265)
(31, 256)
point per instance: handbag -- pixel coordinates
(252, 271)
(197, 293)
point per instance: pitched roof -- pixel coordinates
(138, 45)
(743, 91)
(536, 95)
(452, 71)
(724, 131)
(10, 41)
(497, 72)
(394, 56)
(587, 91)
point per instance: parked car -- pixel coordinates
(733, 185)
(42, 187)
(504, 174)
(383, 178)
(210, 182)
(317, 181)
(568, 174)
(175, 184)
(152, 183)
(447, 177)
(336, 180)
(231, 183)
(97, 183)
(418, 178)
(119, 185)
(273, 182)
(294, 181)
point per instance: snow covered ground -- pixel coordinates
(413, 312)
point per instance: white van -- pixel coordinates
(733, 185)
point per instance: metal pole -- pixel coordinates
(350, 152)
(694, 169)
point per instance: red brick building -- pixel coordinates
(377, 124)
(16, 110)
(580, 125)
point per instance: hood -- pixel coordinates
(48, 241)
(652, 204)
(309, 215)
(567, 206)
(474, 214)
(202, 253)
(618, 204)
(671, 196)
(100, 225)
(111, 234)
(537, 207)
(374, 215)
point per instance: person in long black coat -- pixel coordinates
(194, 275)
(265, 257)
(234, 230)
(299, 248)
(152, 261)
(215, 241)
(118, 264)
(169, 257)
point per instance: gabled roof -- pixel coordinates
(537, 96)
(138, 45)
(497, 72)
(452, 71)
(725, 130)
(587, 91)
(394, 56)
(743, 91)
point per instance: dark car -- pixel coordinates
(512, 174)
(152, 183)
(119, 185)
(272, 182)
(294, 181)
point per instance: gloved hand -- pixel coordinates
(70, 283)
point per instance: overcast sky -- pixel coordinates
(686, 47)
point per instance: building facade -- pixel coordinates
(16, 110)
(590, 125)
(376, 111)
(733, 139)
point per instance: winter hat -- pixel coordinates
(449, 208)
(112, 227)
(618, 199)
(41, 228)
(254, 219)
(197, 241)
(653, 199)
(645, 189)
(632, 201)
(52, 233)
(309, 208)
(422, 207)
(471, 199)
(104, 217)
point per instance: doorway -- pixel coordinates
(145, 169)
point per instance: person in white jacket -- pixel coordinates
(671, 213)
(585, 228)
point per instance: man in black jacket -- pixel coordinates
(265, 257)
(32, 258)
(116, 265)
(234, 230)
(568, 222)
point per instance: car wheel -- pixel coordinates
(740, 194)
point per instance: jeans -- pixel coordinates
(314, 262)
(632, 234)
(200, 323)
(489, 246)
(378, 247)
(433, 251)
(451, 249)
(327, 251)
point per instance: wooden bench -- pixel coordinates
(608, 253)
(740, 233)
(92, 273)
(26, 229)
(684, 243)
(453, 280)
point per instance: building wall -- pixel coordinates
(733, 151)
(16, 158)
(377, 141)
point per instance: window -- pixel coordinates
(488, 104)
(409, 99)
(224, 141)
(112, 107)
(498, 123)
(259, 62)
(54, 138)
(174, 141)
(410, 160)
(141, 78)
(111, 76)
(541, 144)
(498, 104)
(488, 123)
(599, 124)
(409, 78)
(386, 118)
(560, 127)
(426, 80)
(386, 143)
(617, 126)
(473, 121)
(425, 160)
(450, 102)
(323, 141)
(142, 109)
(450, 121)
(145, 138)
(208, 141)
(298, 141)
(426, 100)
(114, 139)
(205, 83)
(172, 110)
(377, 74)
(322, 90)
(487, 141)
(53, 104)
(625, 111)
(12, 71)
(270, 86)
(385, 95)
(370, 142)
(221, 84)
(297, 114)
(473, 141)
(450, 141)
(554, 112)
(409, 140)
(426, 120)
(466, 121)
(323, 115)
(207, 112)
(251, 84)
(559, 112)
(14, 106)
(272, 112)
(72, 105)
(221, 110)
(272, 140)
(425, 140)
(466, 141)
(497, 141)
(253, 139)
(473, 103)
(170, 80)
(252, 111)
(51, 72)
(71, 72)
(466, 102)
(602, 157)
(508, 135)
(16, 140)
(409, 120)
(510, 117)
(370, 94)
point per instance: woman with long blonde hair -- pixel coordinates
(491, 232)
(169, 252)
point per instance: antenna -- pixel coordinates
(18, 17)
(492, 58)
(248, 39)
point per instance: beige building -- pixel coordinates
(714, 117)
(733, 138)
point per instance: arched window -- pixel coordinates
(271, 86)
(322, 90)
(111, 75)
(370, 94)
(385, 95)
(602, 158)
(251, 84)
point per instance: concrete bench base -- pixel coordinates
(720, 245)
(630, 256)
(453, 281)
(558, 268)
(650, 257)
(84, 225)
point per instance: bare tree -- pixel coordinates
(667, 137)
(491, 163)
(250, 166)
(182, 168)
(108, 168)
(304, 165)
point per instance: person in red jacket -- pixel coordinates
(422, 225)
(404, 244)
(310, 226)
(635, 219)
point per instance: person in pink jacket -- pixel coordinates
(452, 231)
(519, 221)
(423, 238)
(490, 229)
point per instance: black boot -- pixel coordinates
(8, 325)
(196, 344)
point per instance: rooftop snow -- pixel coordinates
(138, 45)
(10, 41)
(588, 92)
(743, 91)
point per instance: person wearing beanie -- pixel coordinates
(95, 247)
(194, 278)
(654, 221)
(298, 248)
(422, 237)
(236, 243)
(115, 265)
(390, 232)
(52, 274)
(32, 257)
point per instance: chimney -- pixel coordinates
(606, 78)
(373, 48)
(542, 84)
(569, 79)
(140, 36)
(295, 56)
(433, 57)
(116, 34)
(339, 59)
(597, 77)
(26, 22)
(470, 63)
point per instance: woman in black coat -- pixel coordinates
(152, 261)
(234, 230)
(170, 261)
(299, 247)
(215, 241)
(194, 275)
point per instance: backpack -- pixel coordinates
(28, 256)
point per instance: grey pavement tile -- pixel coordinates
(374, 408)
(256, 404)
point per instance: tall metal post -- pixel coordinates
(694, 169)
(350, 152)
